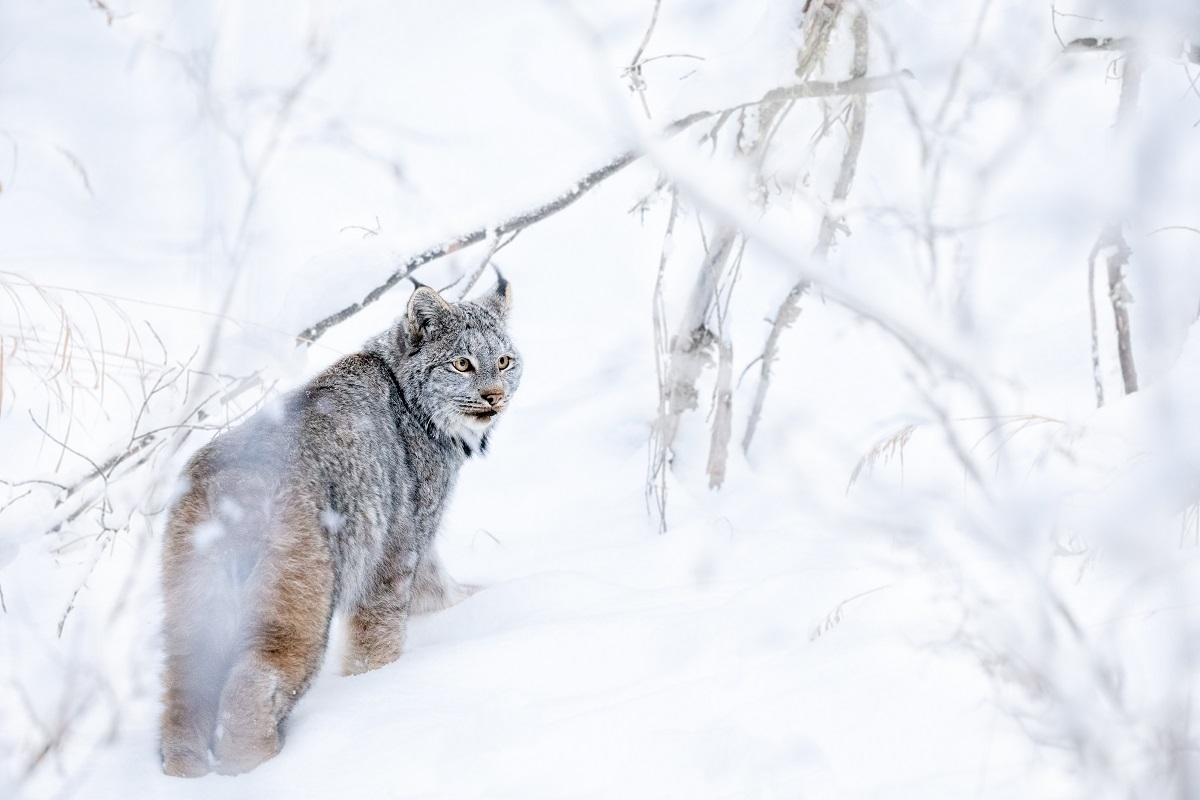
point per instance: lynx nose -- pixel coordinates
(494, 397)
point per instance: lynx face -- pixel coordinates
(463, 362)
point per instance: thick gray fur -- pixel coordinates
(329, 499)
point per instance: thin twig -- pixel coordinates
(637, 57)
(1055, 14)
(656, 479)
(498, 244)
(1173, 228)
(61, 443)
(634, 70)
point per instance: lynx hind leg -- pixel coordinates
(291, 604)
(189, 716)
(199, 633)
(434, 589)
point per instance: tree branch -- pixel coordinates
(1185, 50)
(510, 225)
(808, 89)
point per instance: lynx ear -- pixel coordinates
(425, 309)
(500, 300)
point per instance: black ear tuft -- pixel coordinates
(426, 310)
(500, 301)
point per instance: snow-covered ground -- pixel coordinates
(938, 571)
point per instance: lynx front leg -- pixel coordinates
(284, 650)
(376, 628)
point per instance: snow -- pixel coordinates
(661, 668)
(1004, 606)
(208, 533)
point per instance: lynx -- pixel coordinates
(327, 500)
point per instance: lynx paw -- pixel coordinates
(248, 729)
(184, 763)
(465, 590)
(443, 596)
(241, 750)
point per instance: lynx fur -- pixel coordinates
(328, 500)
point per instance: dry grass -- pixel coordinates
(1189, 525)
(892, 447)
(883, 452)
(834, 617)
(106, 400)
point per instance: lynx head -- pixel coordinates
(461, 368)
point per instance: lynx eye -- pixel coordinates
(503, 362)
(462, 364)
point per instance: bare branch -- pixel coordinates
(634, 70)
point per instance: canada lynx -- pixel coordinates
(328, 499)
